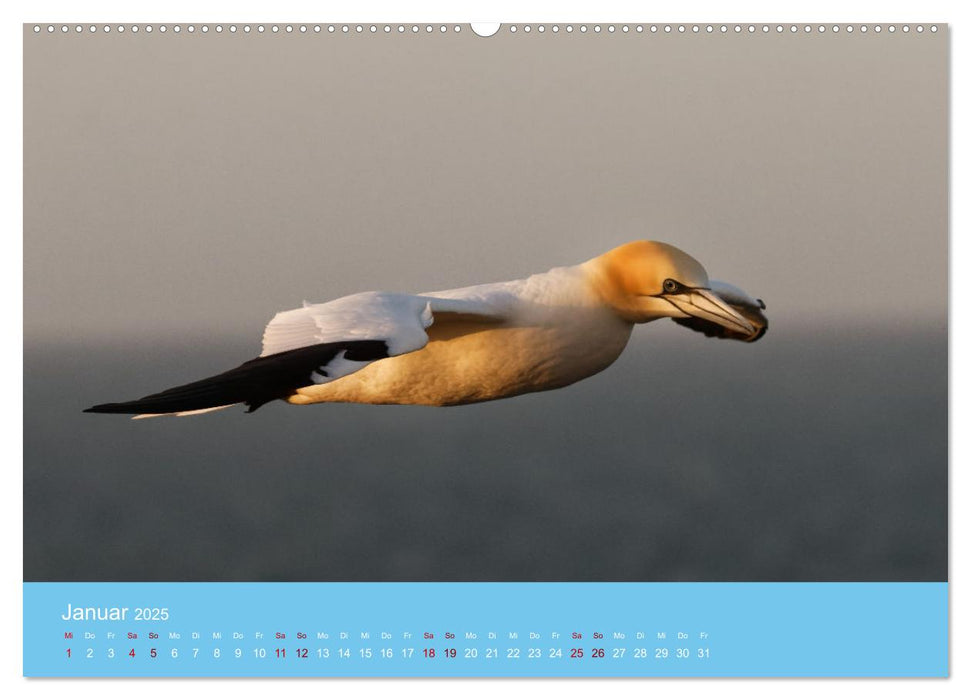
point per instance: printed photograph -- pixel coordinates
(320, 305)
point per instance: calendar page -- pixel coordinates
(562, 349)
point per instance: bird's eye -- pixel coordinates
(670, 286)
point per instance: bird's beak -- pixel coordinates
(707, 306)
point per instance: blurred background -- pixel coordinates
(181, 189)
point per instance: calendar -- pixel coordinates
(552, 349)
(471, 629)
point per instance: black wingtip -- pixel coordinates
(109, 408)
(253, 383)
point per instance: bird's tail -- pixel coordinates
(253, 383)
(176, 413)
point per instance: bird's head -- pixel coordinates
(647, 280)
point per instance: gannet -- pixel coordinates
(462, 346)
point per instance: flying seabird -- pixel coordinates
(473, 344)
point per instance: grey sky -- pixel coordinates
(202, 183)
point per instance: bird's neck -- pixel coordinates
(608, 289)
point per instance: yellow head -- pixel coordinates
(646, 280)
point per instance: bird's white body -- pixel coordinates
(554, 330)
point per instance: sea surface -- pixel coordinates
(815, 454)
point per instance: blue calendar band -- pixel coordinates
(485, 629)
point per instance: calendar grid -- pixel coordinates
(485, 629)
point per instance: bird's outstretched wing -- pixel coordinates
(315, 344)
(740, 300)
(398, 319)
